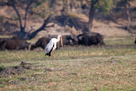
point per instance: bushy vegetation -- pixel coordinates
(15, 17)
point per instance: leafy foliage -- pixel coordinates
(105, 5)
(15, 17)
(41, 9)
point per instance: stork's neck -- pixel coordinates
(58, 39)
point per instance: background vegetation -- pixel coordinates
(80, 68)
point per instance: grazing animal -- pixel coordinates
(2, 40)
(42, 42)
(14, 44)
(51, 46)
(69, 40)
(90, 39)
(23, 45)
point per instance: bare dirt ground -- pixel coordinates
(106, 28)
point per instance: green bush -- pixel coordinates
(14, 17)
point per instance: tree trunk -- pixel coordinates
(26, 13)
(22, 33)
(91, 15)
(127, 7)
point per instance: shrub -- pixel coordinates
(14, 17)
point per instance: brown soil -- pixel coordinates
(106, 28)
(15, 70)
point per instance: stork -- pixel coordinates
(51, 46)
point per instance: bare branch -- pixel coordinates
(51, 2)
(26, 12)
(30, 36)
(13, 4)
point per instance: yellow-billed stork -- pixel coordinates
(51, 46)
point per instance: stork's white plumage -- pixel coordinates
(51, 46)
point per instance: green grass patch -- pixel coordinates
(76, 69)
(14, 17)
(119, 40)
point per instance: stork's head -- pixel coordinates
(60, 37)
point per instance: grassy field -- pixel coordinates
(78, 68)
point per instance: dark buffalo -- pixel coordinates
(42, 42)
(69, 40)
(2, 40)
(23, 45)
(90, 39)
(13, 44)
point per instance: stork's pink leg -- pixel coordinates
(53, 57)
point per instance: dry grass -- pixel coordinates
(76, 69)
(77, 74)
(119, 40)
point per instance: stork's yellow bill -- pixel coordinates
(61, 41)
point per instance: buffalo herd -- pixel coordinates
(13, 44)
(42, 42)
(85, 39)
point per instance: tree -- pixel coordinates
(102, 5)
(126, 5)
(30, 36)
(25, 4)
(28, 3)
(91, 14)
